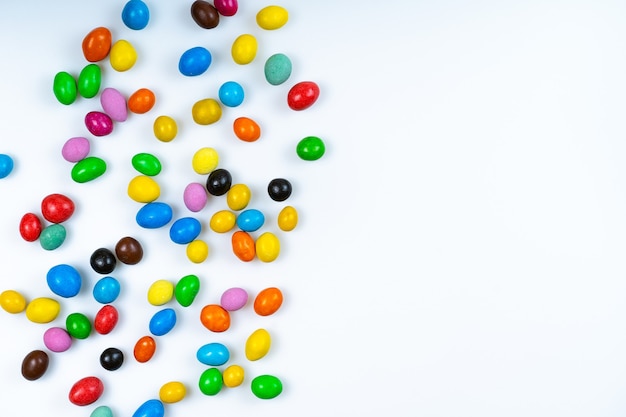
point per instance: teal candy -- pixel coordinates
(277, 69)
(52, 236)
(102, 411)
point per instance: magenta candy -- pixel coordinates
(234, 298)
(99, 123)
(114, 104)
(75, 149)
(226, 7)
(195, 196)
(57, 339)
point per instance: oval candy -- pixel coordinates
(114, 104)
(194, 61)
(266, 387)
(150, 408)
(213, 354)
(98, 123)
(111, 359)
(6, 165)
(197, 251)
(128, 250)
(146, 164)
(106, 319)
(75, 149)
(97, 44)
(52, 236)
(272, 17)
(185, 230)
(244, 49)
(250, 220)
(238, 197)
(30, 227)
(231, 94)
(303, 95)
(78, 325)
(310, 148)
(88, 169)
(205, 14)
(86, 391)
(160, 292)
(258, 344)
(106, 290)
(89, 81)
(187, 289)
(165, 128)
(122, 56)
(141, 101)
(35, 364)
(172, 392)
(206, 111)
(57, 339)
(233, 376)
(65, 88)
(144, 349)
(143, 189)
(268, 301)
(243, 246)
(136, 14)
(162, 322)
(222, 221)
(195, 196)
(12, 301)
(204, 160)
(64, 280)
(246, 129)
(234, 299)
(154, 215)
(101, 411)
(211, 381)
(215, 318)
(57, 208)
(267, 247)
(277, 69)
(287, 219)
(226, 7)
(42, 310)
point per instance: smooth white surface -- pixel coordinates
(460, 251)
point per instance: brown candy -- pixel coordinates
(128, 250)
(205, 14)
(35, 365)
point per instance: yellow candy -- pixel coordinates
(197, 251)
(206, 111)
(165, 128)
(233, 376)
(267, 247)
(143, 189)
(258, 344)
(244, 49)
(272, 17)
(122, 55)
(12, 301)
(42, 310)
(160, 292)
(172, 392)
(287, 219)
(223, 221)
(205, 160)
(238, 197)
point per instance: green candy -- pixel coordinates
(102, 411)
(147, 164)
(266, 386)
(211, 381)
(186, 290)
(52, 236)
(311, 148)
(78, 325)
(64, 88)
(89, 81)
(277, 69)
(88, 169)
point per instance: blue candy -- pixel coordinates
(231, 94)
(154, 215)
(151, 408)
(106, 290)
(64, 280)
(213, 354)
(136, 14)
(185, 230)
(6, 165)
(194, 61)
(162, 322)
(250, 220)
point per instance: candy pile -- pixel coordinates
(243, 223)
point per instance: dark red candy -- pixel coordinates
(302, 95)
(86, 391)
(57, 208)
(205, 14)
(30, 227)
(106, 319)
(35, 365)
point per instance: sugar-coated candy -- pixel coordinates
(141, 101)
(106, 319)
(185, 230)
(233, 376)
(64, 88)
(266, 387)
(146, 163)
(215, 318)
(272, 17)
(226, 7)
(213, 354)
(194, 61)
(89, 80)
(268, 301)
(172, 392)
(206, 111)
(103, 261)
(267, 247)
(243, 245)
(204, 160)
(30, 227)
(238, 197)
(129, 250)
(144, 349)
(106, 290)
(162, 322)
(75, 149)
(234, 298)
(197, 251)
(42, 310)
(143, 189)
(52, 236)
(279, 189)
(160, 292)
(187, 289)
(97, 44)
(246, 129)
(78, 325)
(244, 49)
(154, 215)
(57, 339)
(287, 219)
(218, 182)
(111, 359)
(64, 280)
(98, 123)
(277, 69)
(310, 148)
(122, 56)
(35, 364)
(165, 128)
(6, 165)
(258, 344)
(101, 411)
(250, 220)
(222, 221)
(231, 94)
(211, 382)
(195, 196)
(88, 169)
(150, 408)
(12, 301)
(86, 391)
(136, 14)
(205, 14)
(57, 208)
(303, 95)
(114, 104)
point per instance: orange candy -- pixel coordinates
(144, 349)
(246, 129)
(215, 318)
(268, 301)
(243, 246)
(97, 44)
(141, 101)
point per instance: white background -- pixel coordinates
(460, 247)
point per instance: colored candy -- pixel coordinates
(172, 392)
(195, 196)
(238, 197)
(30, 227)
(194, 61)
(57, 208)
(52, 236)
(88, 169)
(258, 344)
(243, 246)
(106, 319)
(141, 101)
(154, 215)
(122, 56)
(206, 111)
(75, 149)
(272, 17)
(287, 219)
(244, 49)
(101, 411)
(151, 408)
(35, 364)
(98, 123)
(129, 251)
(111, 359)
(42, 310)
(215, 318)
(89, 81)
(57, 339)
(78, 325)
(204, 14)
(222, 221)
(6, 165)
(268, 301)
(250, 220)
(219, 181)
(135, 14)
(231, 94)
(211, 382)
(97, 44)
(279, 189)
(86, 391)
(204, 160)
(233, 376)
(165, 128)
(277, 69)
(103, 261)
(234, 299)
(146, 163)
(186, 290)
(144, 349)
(64, 280)
(310, 148)
(162, 322)
(246, 129)
(106, 290)
(143, 189)
(114, 104)
(185, 230)
(303, 95)
(160, 292)
(266, 387)
(12, 301)
(226, 7)
(213, 354)
(197, 251)
(267, 247)
(64, 88)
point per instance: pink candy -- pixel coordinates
(57, 339)
(75, 149)
(226, 7)
(234, 298)
(195, 196)
(114, 104)
(98, 123)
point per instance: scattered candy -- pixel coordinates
(165, 128)
(222, 221)
(129, 251)
(35, 364)
(234, 299)
(197, 251)
(194, 61)
(310, 148)
(231, 94)
(195, 196)
(213, 354)
(103, 261)
(206, 111)
(78, 325)
(122, 56)
(186, 290)
(146, 163)
(163, 321)
(42, 310)
(215, 318)
(141, 101)
(279, 189)
(135, 14)
(211, 381)
(243, 246)
(267, 247)
(151, 408)
(57, 208)
(238, 197)
(86, 391)
(75, 149)
(101, 411)
(30, 227)
(250, 220)
(106, 319)
(52, 236)
(258, 344)
(64, 88)
(89, 81)
(111, 359)
(233, 376)
(114, 104)
(154, 215)
(172, 392)
(272, 17)
(219, 181)
(204, 160)
(246, 129)
(244, 49)
(185, 230)
(88, 169)
(268, 301)
(226, 7)
(6, 165)
(143, 189)
(106, 290)
(160, 292)
(98, 123)
(266, 387)
(287, 219)
(144, 349)
(303, 95)
(277, 69)
(12, 301)
(64, 280)
(97, 44)
(205, 14)
(57, 339)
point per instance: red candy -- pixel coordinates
(302, 95)
(106, 319)
(86, 391)
(57, 208)
(30, 227)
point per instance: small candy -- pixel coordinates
(6, 165)
(246, 129)
(277, 69)
(165, 128)
(231, 94)
(144, 349)
(143, 189)
(64, 87)
(186, 290)
(78, 325)
(35, 364)
(213, 354)
(211, 381)
(160, 292)
(12, 301)
(172, 392)
(146, 163)
(219, 181)
(195, 196)
(244, 49)
(106, 319)
(88, 169)
(267, 247)
(185, 230)
(97, 44)
(57, 339)
(129, 251)
(234, 299)
(162, 322)
(238, 197)
(64, 280)
(310, 148)
(98, 123)
(75, 149)
(243, 246)
(86, 391)
(266, 387)
(106, 290)
(141, 101)
(303, 95)
(30, 227)
(206, 111)
(101, 411)
(222, 221)
(272, 17)
(111, 359)
(194, 61)
(268, 301)
(57, 208)
(154, 215)
(151, 408)
(215, 318)
(258, 344)
(205, 14)
(114, 104)
(233, 376)
(204, 160)
(250, 220)
(279, 189)
(197, 251)
(52, 236)
(226, 7)
(135, 14)
(122, 56)
(103, 261)
(89, 80)
(287, 219)
(42, 310)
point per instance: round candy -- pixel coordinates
(129, 251)
(272, 17)
(88, 169)
(165, 128)
(12, 301)
(98, 123)
(42, 310)
(143, 189)
(75, 149)
(266, 387)
(219, 181)
(233, 376)
(277, 69)
(35, 364)
(162, 322)
(234, 299)
(160, 292)
(57, 339)
(250, 220)
(310, 148)
(86, 391)
(204, 14)
(206, 111)
(238, 197)
(268, 301)
(287, 219)
(204, 160)
(106, 319)
(30, 227)
(258, 344)
(231, 94)
(122, 56)
(89, 80)
(146, 163)
(151, 408)
(194, 61)
(197, 251)
(144, 349)
(213, 354)
(195, 196)
(186, 290)
(267, 247)
(106, 290)
(244, 49)
(211, 381)
(154, 215)
(103, 261)
(114, 104)
(135, 14)
(101, 411)
(57, 208)
(64, 88)
(243, 246)
(64, 280)
(172, 392)
(222, 221)
(52, 236)
(141, 101)
(185, 230)
(303, 95)
(215, 318)
(111, 359)
(279, 189)
(78, 325)
(246, 129)
(97, 44)
(6, 165)
(226, 7)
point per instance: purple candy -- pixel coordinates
(75, 149)
(57, 339)
(114, 104)
(98, 123)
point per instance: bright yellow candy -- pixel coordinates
(122, 55)
(172, 392)
(197, 251)
(287, 219)
(267, 247)
(244, 49)
(42, 310)
(165, 128)
(223, 221)
(205, 160)
(272, 17)
(258, 344)
(206, 111)
(143, 189)
(238, 197)
(160, 292)
(233, 376)
(12, 301)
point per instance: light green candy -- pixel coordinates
(277, 69)
(102, 411)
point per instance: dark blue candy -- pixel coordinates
(64, 280)
(185, 230)
(194, 61)
(136, 14)
(162, 322)
(154, 215)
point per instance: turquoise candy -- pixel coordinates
(277, 69)
(102, 411)
(213, 354)
(52, 236)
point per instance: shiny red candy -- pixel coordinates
(302, 95)
(106, 319)
(30, 227)
(57, 208)
(86, 391)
